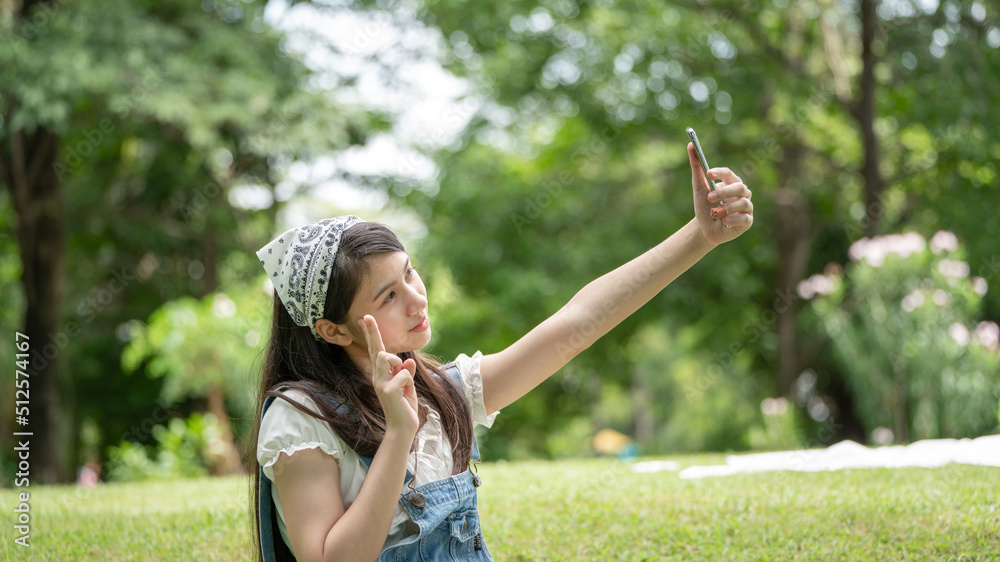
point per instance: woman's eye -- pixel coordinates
(391, 297)
(410, 272)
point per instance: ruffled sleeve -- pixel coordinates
(472, 384)
(286, 429)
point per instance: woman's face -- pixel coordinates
(396, 297)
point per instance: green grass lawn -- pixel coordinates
(572, 510)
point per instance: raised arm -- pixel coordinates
(606, 301)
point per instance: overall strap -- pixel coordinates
(265, 506)
(367, 461)
(451, 371)
(268, 526)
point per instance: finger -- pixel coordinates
(384, 366)
(693, 158)
(739, 219)
(731, 206)
(372, 334)
(731, 191)
(364, 330)
(725, 174)
(701, 183)
(395, 364)
(741, 205)
(410, 368)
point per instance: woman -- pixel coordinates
(369, 442)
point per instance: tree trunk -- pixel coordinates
(27, 168)
(794, 235)
(901, 411)
(865, 115)
(793, 251)
(226, 461)
(645, 425)
(28, 172)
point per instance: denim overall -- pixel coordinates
(447, 516)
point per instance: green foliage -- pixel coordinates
(165, 112)
(902, 320)
(572, 440)
(197, 344)
(184, 449)
(779, 431)
(580, 166)
(575, 164)
(697, 404)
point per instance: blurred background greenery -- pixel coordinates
(148, 148)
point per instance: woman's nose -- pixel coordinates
(418, 302)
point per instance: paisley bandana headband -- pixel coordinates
(299, 263)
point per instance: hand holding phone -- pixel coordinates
(701, 156)
(735, 203)
(701, 159)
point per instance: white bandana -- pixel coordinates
(299, 262)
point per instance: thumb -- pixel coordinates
(698, 179)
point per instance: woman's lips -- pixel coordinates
(423, 325)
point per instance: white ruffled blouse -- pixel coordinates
(285, 429)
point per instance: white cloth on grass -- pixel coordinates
(928, 453)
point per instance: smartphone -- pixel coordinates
(701, 156)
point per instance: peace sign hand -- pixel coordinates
(393, 381)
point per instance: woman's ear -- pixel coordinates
(334, 333)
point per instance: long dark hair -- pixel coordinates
(294, 359)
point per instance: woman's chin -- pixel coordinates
(426, 337)
(418, 343)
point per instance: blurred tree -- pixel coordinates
(902, 318)
(560, 175)
(204, 348)
(570, 172)
(127, 129)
